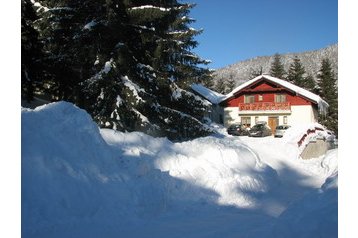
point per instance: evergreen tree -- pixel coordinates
(309, 83)
(164, 55)
(31, 51)
(208, 80)
(220, 86)
(230, 85)
(127, 63)
(277, 69)
(72, 41)
(256, 72)
(327, 85)
(296, 73)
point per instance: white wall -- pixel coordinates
(298, 115)
(301, 114)
(231, 115)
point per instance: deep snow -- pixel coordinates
(80, 181)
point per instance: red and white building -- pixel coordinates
(272, 100)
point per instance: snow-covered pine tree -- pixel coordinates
(277, 69)
(230, 84)
(296, 72)
(309, 83)
(327, 86)
(164, 61)
(256, 72)
(123, 61)
(57, 28)
(31, 52)
(220, 86)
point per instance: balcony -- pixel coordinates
(277, 107)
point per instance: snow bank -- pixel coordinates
(79, 181)
(73, 185)
(300, 135)
(316, 214)
(225, 168)
(228, 168)
(68, 174)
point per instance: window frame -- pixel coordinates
(280, 98)
(246, 121)
(249, 98)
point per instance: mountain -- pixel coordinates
(243, 71)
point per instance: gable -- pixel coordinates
(262, 86)
(266, 83)
(267, 95)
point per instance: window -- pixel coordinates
(261, 97)
(246, 121)
(280, 98)
(249, 99)
(285, 120)
(256, 119)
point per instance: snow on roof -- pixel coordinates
(210, 95)
(322, 105)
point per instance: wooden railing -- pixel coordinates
(265, 106)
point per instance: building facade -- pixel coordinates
(272, 100)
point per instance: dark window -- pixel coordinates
(246, 121)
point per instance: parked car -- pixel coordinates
(237, 130)
(260, 130)
(280, 130)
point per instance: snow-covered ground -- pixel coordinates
(80, 181)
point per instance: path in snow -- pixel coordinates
(297, 177)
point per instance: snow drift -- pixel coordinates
(316, 213)
(75, 184)
(80, 181)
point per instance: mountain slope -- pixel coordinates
(311, 60)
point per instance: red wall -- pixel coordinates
(268, 92)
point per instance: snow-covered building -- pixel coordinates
(216, 112)
(273, 100)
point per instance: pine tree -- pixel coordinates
(256, 72)
(277, 69)
(164, 55)
(309, 83)
(208, 80)
(220, 86)
(127, 63)
(327, 85)
(31, 52)
(230, 84)
(296, 73)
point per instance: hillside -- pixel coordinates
(311, 60)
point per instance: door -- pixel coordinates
(272, 123)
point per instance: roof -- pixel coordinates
(210, 95)
(322, 105)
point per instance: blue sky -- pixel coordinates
(236, 30)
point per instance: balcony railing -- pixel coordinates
(265, 106)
